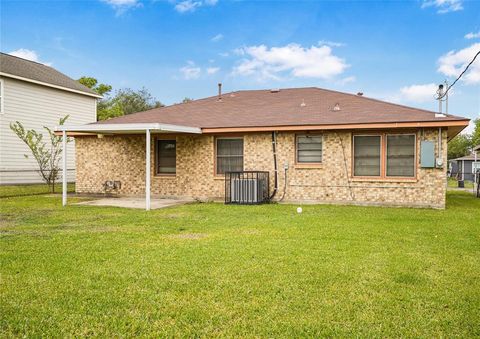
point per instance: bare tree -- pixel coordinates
(47, 156)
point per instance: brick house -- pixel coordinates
(329, 147)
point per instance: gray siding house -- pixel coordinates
(37, 95)
(464, 168)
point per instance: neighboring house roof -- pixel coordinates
(477, 148)
(18, 68)
(466, 158)
(245, 110)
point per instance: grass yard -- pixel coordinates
(23, 190)
(215, 270)
(453, 183)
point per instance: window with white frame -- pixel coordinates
(309, 148)
(476, 166)
(229, 155)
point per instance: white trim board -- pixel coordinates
(128, 128)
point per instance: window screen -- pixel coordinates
(400, 155)
(309, 148)
(229, 155)
(366, 154)
(166, 156)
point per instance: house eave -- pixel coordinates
(440, 123)
(127, 128)
(46, 84)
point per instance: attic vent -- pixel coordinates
(303, 104)
(336, 107)
(275, 90)
(360, 94)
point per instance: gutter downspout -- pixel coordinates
(274, 149)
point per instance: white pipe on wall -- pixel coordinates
(147, 170)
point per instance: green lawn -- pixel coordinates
(233, 271)
(454, 183)
(22, 190)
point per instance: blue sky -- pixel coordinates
(391, 50)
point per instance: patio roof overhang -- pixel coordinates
(136, 128)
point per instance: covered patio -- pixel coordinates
(122, 129)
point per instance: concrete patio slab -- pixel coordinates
(128, 202)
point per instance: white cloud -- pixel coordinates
(331, 43)
(191, 5)
(454, 62)
(217, 37)
(472, 35)
(293, 59)
(346, 80)
(418, 93)
(444, 6)
(212, 70)
(29, 55)
(121, 6)
(190, 71)
(187, 6)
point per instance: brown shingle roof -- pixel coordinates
(259, 108)
(39, 72)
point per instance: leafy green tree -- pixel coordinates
(93, 84)
(135, 101)
(46, 154)
(187, 99)
(459, 146)
(476, 133)
(125, 101)
(109, 111)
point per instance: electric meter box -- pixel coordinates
(427, 154)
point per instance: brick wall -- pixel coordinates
(123, 158)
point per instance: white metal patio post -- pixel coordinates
(147, 171)
(475, 169)
(64, 175)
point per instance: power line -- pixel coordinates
(466, 68)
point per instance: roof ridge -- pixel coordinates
(350, 94)
(35, 62)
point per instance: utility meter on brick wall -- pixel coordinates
(439, 162)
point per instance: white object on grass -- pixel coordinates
(299, 210)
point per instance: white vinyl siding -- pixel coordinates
(36, 106)
(1, 96)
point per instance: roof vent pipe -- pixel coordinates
(336, 107)
(440, 99)
(360, 94)
(219, 91)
